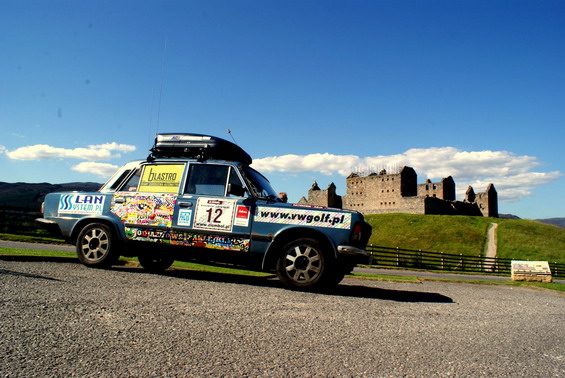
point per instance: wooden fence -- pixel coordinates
(409, 258)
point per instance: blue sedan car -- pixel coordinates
(195, 197)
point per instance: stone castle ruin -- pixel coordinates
(380, 193)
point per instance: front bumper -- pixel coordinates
(349, 250)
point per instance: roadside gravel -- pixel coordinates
(63, 319)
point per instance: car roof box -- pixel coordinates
(197, 146)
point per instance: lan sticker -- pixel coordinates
(81, 204)
(164, 178)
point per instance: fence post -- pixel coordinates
(461, 261)
(371, 255)
(442, 260)
(481, 261)
(419, 259)
(397, 258)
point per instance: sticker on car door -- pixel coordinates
(214, 214)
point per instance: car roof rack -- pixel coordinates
(197, 146)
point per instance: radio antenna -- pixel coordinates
(229, 132)
(152, 113)
(162, 80)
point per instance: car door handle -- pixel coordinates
(119, 200)
(185, 204)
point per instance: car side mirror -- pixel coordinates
(236, 190)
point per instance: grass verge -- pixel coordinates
(177, 264)
(242, 272)
(31, 239)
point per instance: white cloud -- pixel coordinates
(91, 152)
(104, 170)
(2, 149)
(326, 164)
(513, 175)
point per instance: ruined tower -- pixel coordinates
(488, 202)
(326, 198)
(445, 189)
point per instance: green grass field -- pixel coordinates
(517, 238)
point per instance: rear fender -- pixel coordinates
(117, 230)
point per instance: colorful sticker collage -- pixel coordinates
(146, 210)
(188, 239)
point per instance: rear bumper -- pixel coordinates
(51, 226)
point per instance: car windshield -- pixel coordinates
(260, 186)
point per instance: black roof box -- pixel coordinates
(197, 146)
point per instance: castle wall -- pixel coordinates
(438, 206)
(379, 192)
(409, 205)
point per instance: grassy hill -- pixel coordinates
(20, 203)
(29, 196)
(517, 238)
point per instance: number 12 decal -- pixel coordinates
(217, 214)
(214, 214)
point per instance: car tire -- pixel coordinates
(155, 263)
(96, 246)
(305, 265)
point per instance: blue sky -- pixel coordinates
(311, 89)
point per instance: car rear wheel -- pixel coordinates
(155, 263)
(304, 264)
(96, 246)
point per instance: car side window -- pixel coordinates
(204, 179)
(133, 182)
(236, 189)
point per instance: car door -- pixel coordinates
(213, 211)
(145, 202)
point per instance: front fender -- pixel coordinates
(286, 235)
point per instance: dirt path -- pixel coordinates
(492, 242)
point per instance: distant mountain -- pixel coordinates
(508, 216)
(560, 222)
(30, 196)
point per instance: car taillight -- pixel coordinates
(356, 237)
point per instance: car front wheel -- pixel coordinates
(96, 247)
(304, 264)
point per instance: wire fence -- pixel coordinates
(409, 258)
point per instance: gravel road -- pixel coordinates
(61, 319)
